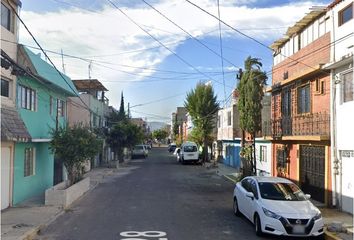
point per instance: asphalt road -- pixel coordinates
(156, 199)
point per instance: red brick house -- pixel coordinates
(300, 111)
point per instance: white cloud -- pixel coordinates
(82, 33)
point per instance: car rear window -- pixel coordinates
(139, 147)
(190, 148)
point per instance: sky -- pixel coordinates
(152, 61)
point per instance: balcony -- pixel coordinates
(314, 126)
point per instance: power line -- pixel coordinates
(190, 35)
(35, 40)
(222, 59)
(154, 38)
(158, 100)
(247, 36)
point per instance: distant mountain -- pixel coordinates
(156, 125)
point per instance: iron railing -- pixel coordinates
(314, 124)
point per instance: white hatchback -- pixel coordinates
(277, 206)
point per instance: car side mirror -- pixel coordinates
(250, 195)
(307, 196)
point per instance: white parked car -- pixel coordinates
(277, 206)
(189, 152)
(139, 151)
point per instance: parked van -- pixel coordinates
(189, 152)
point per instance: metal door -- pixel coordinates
(312, 171)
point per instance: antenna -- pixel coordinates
(62, 60)
(90, 69)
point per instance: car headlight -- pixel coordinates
(271, 214)
(317, 216)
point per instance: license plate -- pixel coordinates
(298, 229)
(190, 155)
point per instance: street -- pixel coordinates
(155, 198)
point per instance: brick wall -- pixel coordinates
(317, 52)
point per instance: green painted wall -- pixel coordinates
(30, 186)
(40, 122)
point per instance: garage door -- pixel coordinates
(312, 171)
(5, 177)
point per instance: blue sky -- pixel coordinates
(124, 58)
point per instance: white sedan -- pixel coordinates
(277, 206)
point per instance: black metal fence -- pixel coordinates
(302, 125)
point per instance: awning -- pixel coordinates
(12, 126)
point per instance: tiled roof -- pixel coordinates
(48, 72)
(12, 126)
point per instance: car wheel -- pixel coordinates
(257, 225)
(235, 207)
(182, 160)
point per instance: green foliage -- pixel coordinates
(123, 134)
(202, 105)
(251, 95)
(250, 103)
(159, 134)
(73, 146)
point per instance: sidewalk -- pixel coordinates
(25, 221)
(339, 225)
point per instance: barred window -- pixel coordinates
(5, 86)
(303, 99)
(347, 87)
(29, 162)
(60, 108)
(263, 154)
(281, 158)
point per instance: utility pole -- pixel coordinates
(128, 110)
(62, 60)
(89, 69)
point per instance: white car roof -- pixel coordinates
(271, 179)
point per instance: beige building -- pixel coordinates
(12, 127)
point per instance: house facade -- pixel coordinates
(342, 103)
(300, 113)
(91, 109)
(41, 103)
(13, 129)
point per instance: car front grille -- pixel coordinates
(290, 223)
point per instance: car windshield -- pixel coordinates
(281, 191)
(190, 148)
(139, 147)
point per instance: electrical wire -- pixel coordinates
(167, 48)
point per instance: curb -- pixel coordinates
(230, 179)
(31, 234)
(331, 236)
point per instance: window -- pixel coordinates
(219, 121)
(60, 108)
(5, 17)
(26, 98)
(281, 158)
(5, 88)
(319, 86)
(228, 118)
(286, 102)
(29, 162)
(263, 154)
(345, 15)
(303, 99)
(347, 87)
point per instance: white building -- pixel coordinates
(342, 104)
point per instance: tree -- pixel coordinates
(250, 102)
(202, 105)
(123, 134)
(73, 146)
(159, 134)
(121, 112)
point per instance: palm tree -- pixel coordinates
(202, 105)
(250, 101)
